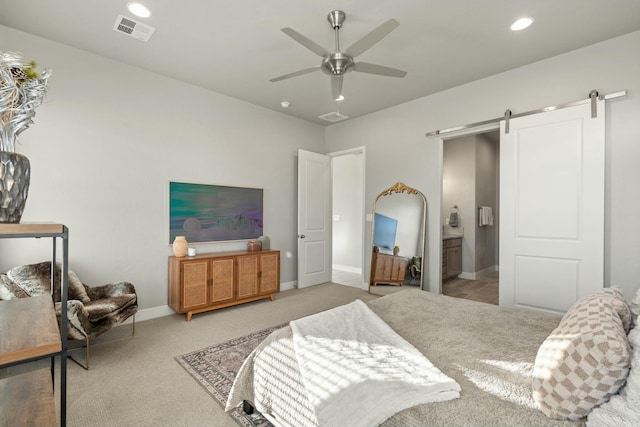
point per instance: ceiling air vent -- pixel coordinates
(133, 28)
(333, 117)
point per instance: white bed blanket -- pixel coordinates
(357, 371)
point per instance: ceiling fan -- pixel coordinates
(338, 63)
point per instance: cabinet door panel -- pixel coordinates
(454, 261)
(399, 269)
(270, 277)
(388, 267)
(194, 283)
(378, 271)
(222, 272)
(247, 276)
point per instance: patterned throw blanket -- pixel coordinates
(358, 372)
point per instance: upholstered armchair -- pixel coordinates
(415, 267)
(91, 311)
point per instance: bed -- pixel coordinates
(489, 351)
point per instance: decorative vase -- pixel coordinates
(253, 245)
(180, 246)
(15, 175)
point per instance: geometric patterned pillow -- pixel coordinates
(623, 409)
(586, 359)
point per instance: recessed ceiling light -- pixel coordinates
(285, 104)
(340, 98)
(521, 24)
(139, 9)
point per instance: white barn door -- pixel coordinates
(314, 218)
(552, 208)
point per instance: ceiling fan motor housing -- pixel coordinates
(337, 64)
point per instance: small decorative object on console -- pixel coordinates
(180, 246)
(254, 245)
(265, 242)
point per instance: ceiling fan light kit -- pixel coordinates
(336, 64)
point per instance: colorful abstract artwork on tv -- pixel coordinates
(214, 213)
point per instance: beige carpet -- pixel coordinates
(137, 382)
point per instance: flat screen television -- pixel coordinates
(214, 213)
(384, 231)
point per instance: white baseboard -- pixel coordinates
(347, 268)
(288, 285)
(474, 276)
(151, 313)
(489, 269)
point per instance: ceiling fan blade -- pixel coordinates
(309, 44)
(336, 87)
(372, 38)
(295, 74)
(365, 67)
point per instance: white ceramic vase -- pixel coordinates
(180, 246)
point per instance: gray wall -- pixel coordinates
(416, 160)
(487, 167)
(108, 140)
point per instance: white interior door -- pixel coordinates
(552, 208)
(314, 218)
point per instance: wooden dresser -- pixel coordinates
(215, 280)
(387, 269)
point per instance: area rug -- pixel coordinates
(215, 368)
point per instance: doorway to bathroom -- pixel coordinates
(470, 216)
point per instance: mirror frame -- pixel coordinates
(400, 188)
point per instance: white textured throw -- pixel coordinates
(358, 371)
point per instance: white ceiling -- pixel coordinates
(234, 47)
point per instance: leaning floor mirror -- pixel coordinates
(398, 238)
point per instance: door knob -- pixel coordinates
(302, 236)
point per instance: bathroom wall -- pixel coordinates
(486, 194)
